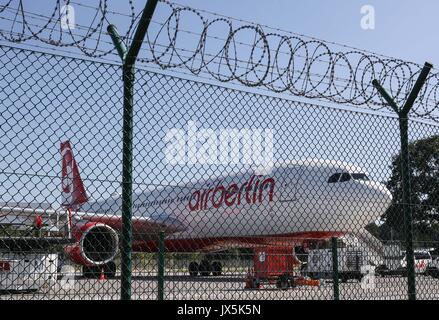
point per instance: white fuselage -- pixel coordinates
(295, 197)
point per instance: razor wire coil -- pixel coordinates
(275, 60)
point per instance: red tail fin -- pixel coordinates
(73, 192)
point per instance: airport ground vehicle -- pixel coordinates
(395, 262)
(205, 268)
(433, 268)
(28, 264)
(276, 265)
(392, 258)
(350, 261)
(26, 272)
(271, 265)
(422, 261)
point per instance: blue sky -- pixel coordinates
(403, 29)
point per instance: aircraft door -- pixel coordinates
(289, 179)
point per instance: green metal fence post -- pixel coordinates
(335, 275)
(161, 266)
(405, 170)
(407, 209)
(129, 59)
(117, 41)
(127, 183)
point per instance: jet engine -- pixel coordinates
(97, 244)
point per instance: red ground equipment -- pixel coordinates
(272, 265)
(275, 265)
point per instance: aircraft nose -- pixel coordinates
(370, 203)
(381, 194)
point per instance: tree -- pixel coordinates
(424, 182)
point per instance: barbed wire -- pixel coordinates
(231, 50)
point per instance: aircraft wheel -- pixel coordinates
(193, 269)
(217, 268)
(253, 283)
(282, 282)
(205, 268)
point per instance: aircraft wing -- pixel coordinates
(23, 218)
(27, 217)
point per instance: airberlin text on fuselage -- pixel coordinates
(232, 195)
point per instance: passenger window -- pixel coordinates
(334, 178)
(345, 177)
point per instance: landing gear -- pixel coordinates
(217, 268)
(252, 283)
(193, 269)
(283, 282)
(205, 268)
(344, 278)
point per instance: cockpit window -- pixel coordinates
(345, 177)
(334, 178)
(422, 255)
(360, 176)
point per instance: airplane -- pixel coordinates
(297, 201)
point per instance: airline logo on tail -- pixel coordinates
(72, 188)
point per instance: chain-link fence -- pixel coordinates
(247, 189)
